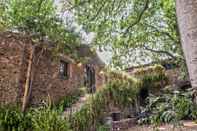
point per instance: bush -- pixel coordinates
(46, 119)
(152, 76)
(42, 119)
(155, 69)
(12, 119)
(169, 108)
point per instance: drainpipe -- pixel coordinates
(28, 80)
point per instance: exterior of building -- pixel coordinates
(30, 72)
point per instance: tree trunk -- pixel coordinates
(187, 19)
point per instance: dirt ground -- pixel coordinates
(186, 126)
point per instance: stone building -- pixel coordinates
(172, 71)
(31, 71)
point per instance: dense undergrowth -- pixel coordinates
(12, 119)
(46, 118)
(40, 119)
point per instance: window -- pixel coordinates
(64, 70)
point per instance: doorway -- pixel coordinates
(90, 78)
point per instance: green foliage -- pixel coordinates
(120, 91)
(46, 119)
(152, 70)
(39, 19)
(169, 108)
(152, 77)
(3, 15)
(103, 128)
(11, 119)
(40, 119)
(29, 16)
(135, 29)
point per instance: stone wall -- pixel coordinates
(174, 75)
(123, 124)
(11, 64)
(46, 83)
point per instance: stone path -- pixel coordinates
(187, 126)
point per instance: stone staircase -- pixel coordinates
(75, 107)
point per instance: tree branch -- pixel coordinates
(98, 11)
(160, 52)
(75, 6)
(162, 32)
(138, 18)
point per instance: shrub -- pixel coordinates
(169, 107)
(46, 119)
(121, 91)
(152, 76)
(155, 69)
(12, 119)
(42, 119)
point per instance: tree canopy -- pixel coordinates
(132, 28)
(137, 31)
(39, 19)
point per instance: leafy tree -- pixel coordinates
(39, 19)
(130, 27)
(3, 17)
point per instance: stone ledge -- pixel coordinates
(123, 124)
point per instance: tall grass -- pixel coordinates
(12, 119)
(47, 119)
(40, 119)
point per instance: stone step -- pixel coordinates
(75, 107)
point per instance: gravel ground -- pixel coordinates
(187, 126)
